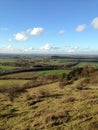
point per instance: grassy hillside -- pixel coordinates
(73, 106)
(81, 64)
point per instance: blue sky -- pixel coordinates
(49, 26)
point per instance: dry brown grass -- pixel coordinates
(93, 125)
(55, 119)
(49, 107)
(67, 98)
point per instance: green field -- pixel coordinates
(2, 67)
(29, 75)
(4, 60)
(51, 72)
(57, 62)
(81, 64)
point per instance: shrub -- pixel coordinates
(74, 74)
(77, 73)
(14, 91)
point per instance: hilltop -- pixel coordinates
(68, 104)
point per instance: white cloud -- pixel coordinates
(50, 48)
(11, 49)
(36, 31)
(30, 49)
(21, 37)
(94, 23)
(7, 49)
(61, 32)
(47, 47)
(80, 28)
(77, 50)
(71, 51)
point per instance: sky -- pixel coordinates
(49, 26)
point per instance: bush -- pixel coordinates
(14, 91)
(77, 73)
